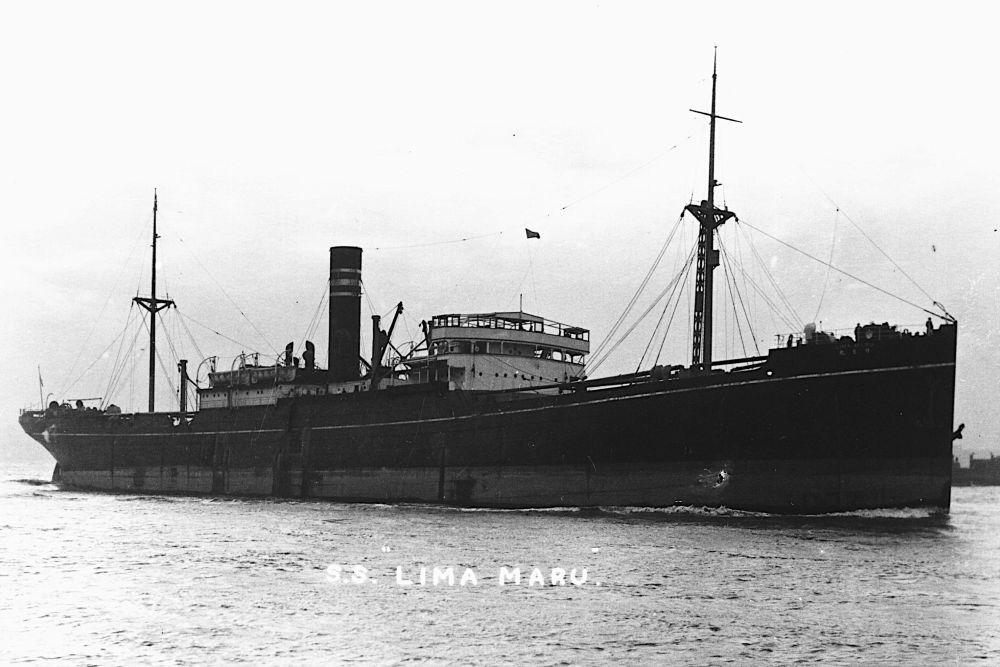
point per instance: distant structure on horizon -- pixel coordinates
(981, 472)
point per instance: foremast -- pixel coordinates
(709, 218)
(153, 305)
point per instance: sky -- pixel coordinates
(274, 132)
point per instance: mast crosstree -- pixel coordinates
(153, 305)
(709, 218)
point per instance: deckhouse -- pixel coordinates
(502, 350)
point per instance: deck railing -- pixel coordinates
(513, 322)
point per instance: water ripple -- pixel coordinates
(126, 579)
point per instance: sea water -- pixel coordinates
(97, 578)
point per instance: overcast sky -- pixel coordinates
(275, 131)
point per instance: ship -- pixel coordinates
(496, 410)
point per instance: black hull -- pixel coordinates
(828, 435)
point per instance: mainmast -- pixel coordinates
(153, 306)
(709, 218)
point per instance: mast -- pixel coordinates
(153, 306)
(709, 218)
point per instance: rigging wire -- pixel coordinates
(368, 298)
(561, 209)
(528, 272)
(683, 284)
(849, 275)
(628, 173)
(317, 314)
(409, 331)
(678, 285)
(840, 209)
(753, 308)
(163, 367)
(118, 355)
(659, 321)
(767, 273)
(131, 374)
(318, 320)
(194, 342)
(128, 362)
(639, 290)
(677, 303)
(727, 274)
(872, 241)
(775, 310)
(435, 243)
(372, 310)
(727, 259)
(663, 293)
(826, 278)
(689, 335)
(100, 355)
(170, 341)
(226, 294)
(107, 300)
(531, 268)
(139, 281)
(205, 326)
(607, 353)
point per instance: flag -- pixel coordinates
(531, 235)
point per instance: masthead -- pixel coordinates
(709, 218)
(153, 305)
